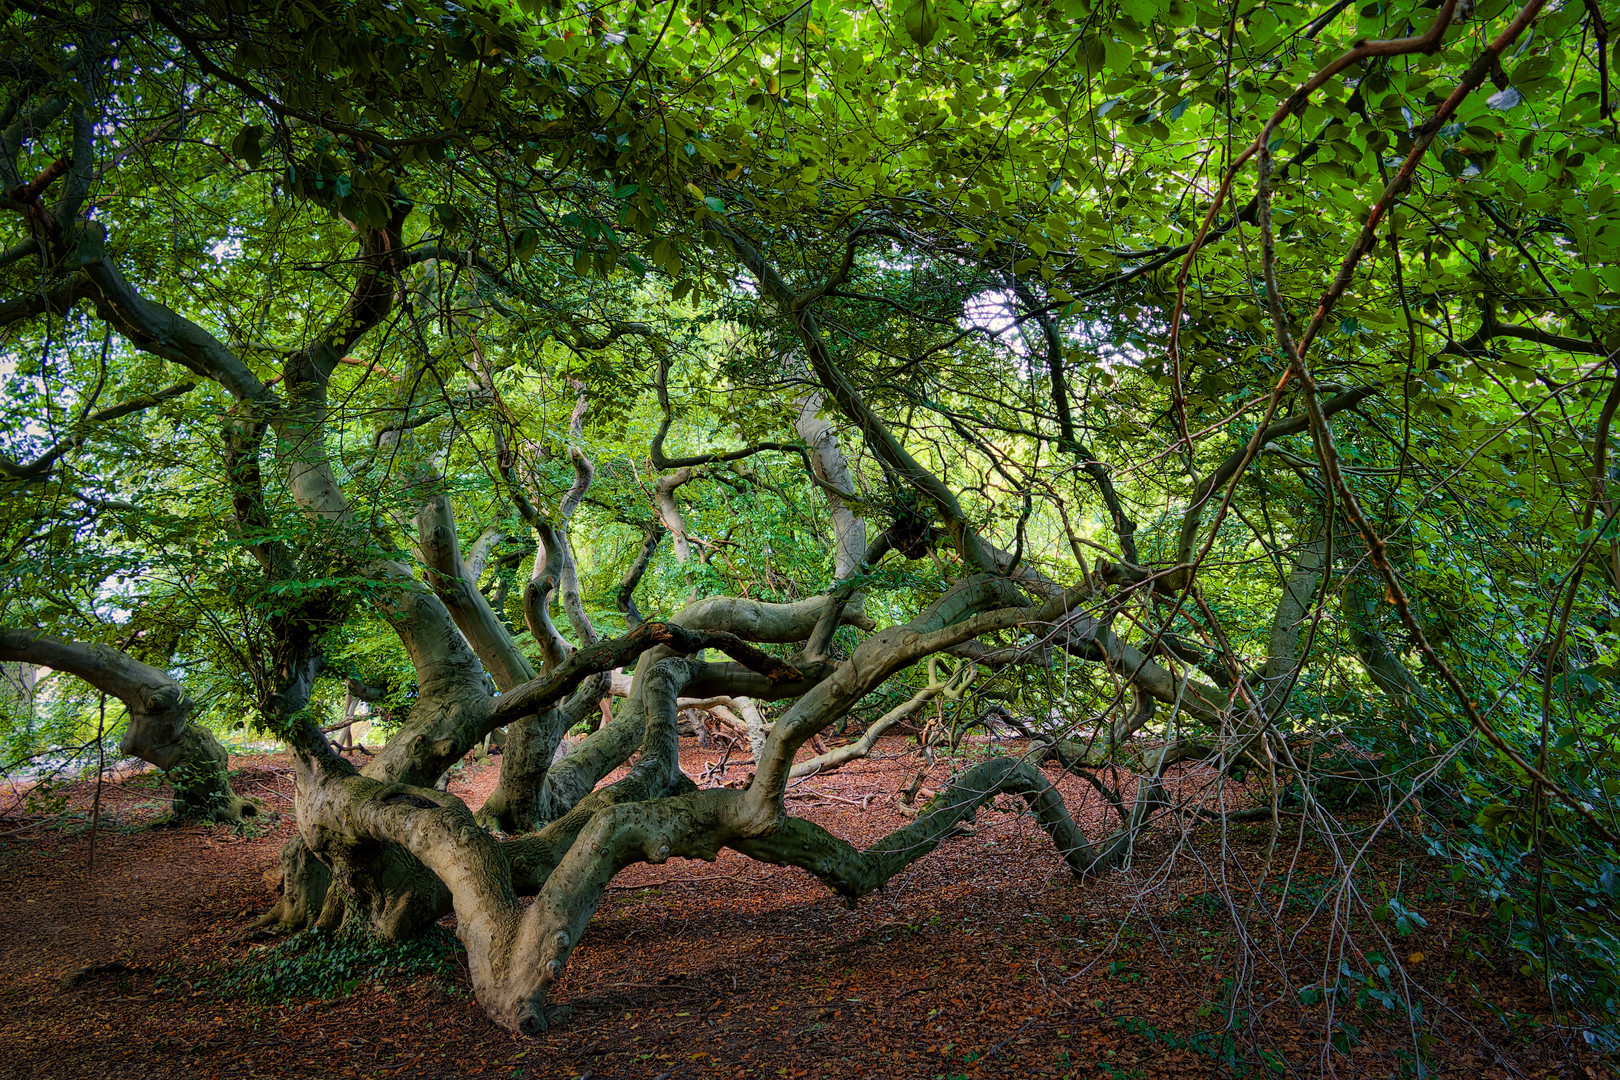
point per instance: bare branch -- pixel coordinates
(37, 468)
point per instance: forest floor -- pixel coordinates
(983, 959)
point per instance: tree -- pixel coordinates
(984, 277)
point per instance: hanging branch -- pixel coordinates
(41, 465)
(1327, 448)
(660, 460)
(652, 533)
(1427, 42)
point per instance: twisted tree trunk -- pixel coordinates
(159, 730)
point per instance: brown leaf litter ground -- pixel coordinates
(983, 959)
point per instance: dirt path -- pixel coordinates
(984, 959)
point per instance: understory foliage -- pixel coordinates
(312, 965)
(1162, 380)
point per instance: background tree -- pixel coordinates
(1216, 352)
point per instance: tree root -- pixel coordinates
(305, 882)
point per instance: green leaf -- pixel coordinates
(1143, 11)
(246, 144)
(450, 218)
(524, 245)
(1533, 68)
(922, 21)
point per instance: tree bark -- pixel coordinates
(1283, 661)
(827, 460)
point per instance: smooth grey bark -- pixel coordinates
(18, 680)
(389, 884)
(669, 512)
(345, 815)
(602, 752)
(976, 552)
(832, 470)
(516, 952)
(382, 880)
(477, 559)
(742, 714)
(393, 843)
(554, 573)
(853, 873)
(521, 801)
(697, 824)
(1294, 607)
(354, 819)
(455, 583)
